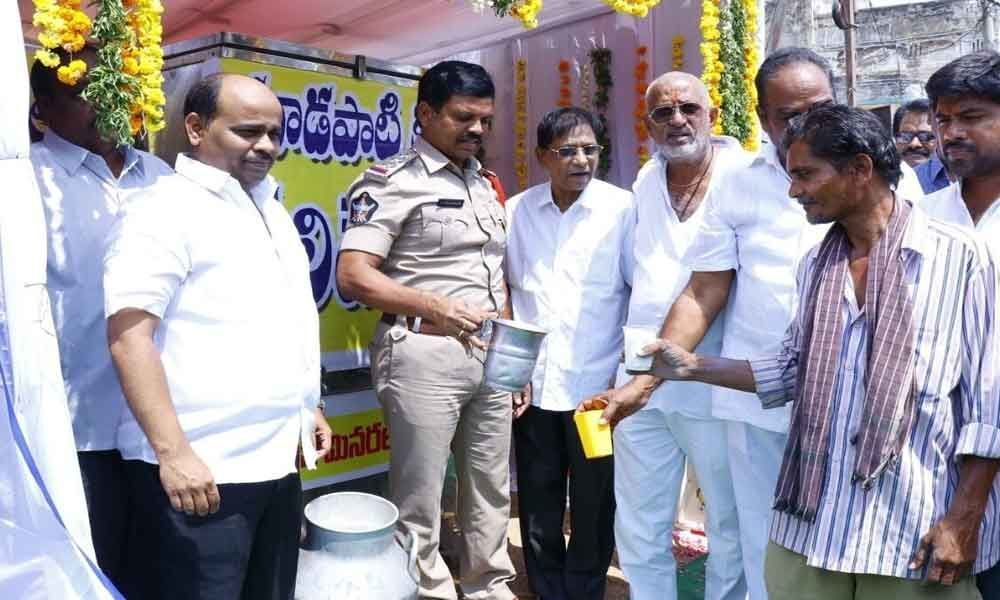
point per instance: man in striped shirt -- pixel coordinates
(965, 102)
(891, 369)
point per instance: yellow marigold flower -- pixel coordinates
(70, 74)
(46, 57)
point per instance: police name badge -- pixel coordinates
(363, 208)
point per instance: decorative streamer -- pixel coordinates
(641, 134)
(565, 94)
(600, 65)
(677, 53)
(521, 123)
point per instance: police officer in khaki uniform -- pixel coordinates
(425, 245)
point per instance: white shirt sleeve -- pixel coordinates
(146, 259)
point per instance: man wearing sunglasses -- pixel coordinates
(911, 128)
(744, 258)
(567, 274)
(676, 426)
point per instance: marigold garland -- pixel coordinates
(125, 86)
(600, 65)
(521, 123)
(730, 55)
(565, 94)
(641, 133)
(677, 53)
(636, 8)
(61, 24)
(712, 68)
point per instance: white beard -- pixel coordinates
(688, 150)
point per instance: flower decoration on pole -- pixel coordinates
(600, 65)
(521, 123)
(565, 93)
(636, 8)
(125, 84)
(641, 134)
(61, 24)
(525, 11)
(677, 53)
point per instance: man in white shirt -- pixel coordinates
(676, 425)
(83, 180)
(214, 333)
(965, 99)
(568, 274)
(751, 240)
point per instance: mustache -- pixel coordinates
(960, 145)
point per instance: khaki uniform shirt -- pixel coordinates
(438, 229)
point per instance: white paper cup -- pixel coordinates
(637, 338)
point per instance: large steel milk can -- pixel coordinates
(350, 551)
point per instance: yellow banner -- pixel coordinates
(334, 128)
(360, 445)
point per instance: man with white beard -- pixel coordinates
(676, 424)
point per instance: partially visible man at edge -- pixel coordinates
(425, 245)
(752, 238)
(84, 180)
(965, 96)
(215, 336)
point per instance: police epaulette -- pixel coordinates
(382, 171)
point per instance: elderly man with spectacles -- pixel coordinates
(568, 274)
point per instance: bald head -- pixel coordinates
(233, 123)
(680, 116)
(677, 80)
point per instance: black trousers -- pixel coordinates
(989, 583)
(109, 508)
(248, 550)
(549, 452)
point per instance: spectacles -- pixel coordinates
(567, 152)
(905, 137)
(662, 114)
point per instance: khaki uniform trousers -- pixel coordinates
(429, 389)
(790, 578)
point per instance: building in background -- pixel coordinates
(900, 42)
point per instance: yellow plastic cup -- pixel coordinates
(595, 437)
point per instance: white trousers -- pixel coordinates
(755, 456)
(650, 451)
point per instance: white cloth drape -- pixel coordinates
(45, 545)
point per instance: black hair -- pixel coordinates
(920, 105)
(203, 97)
(783, 57)
(975, 74)
(453, 78)
(557, 123)
(837, 133)
(44, 80)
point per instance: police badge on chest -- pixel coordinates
(363, 208)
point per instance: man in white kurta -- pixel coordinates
(676, 426)
(46, 550)
(567, 272)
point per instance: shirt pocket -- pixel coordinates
(444, 226)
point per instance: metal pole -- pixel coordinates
(851, 51)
